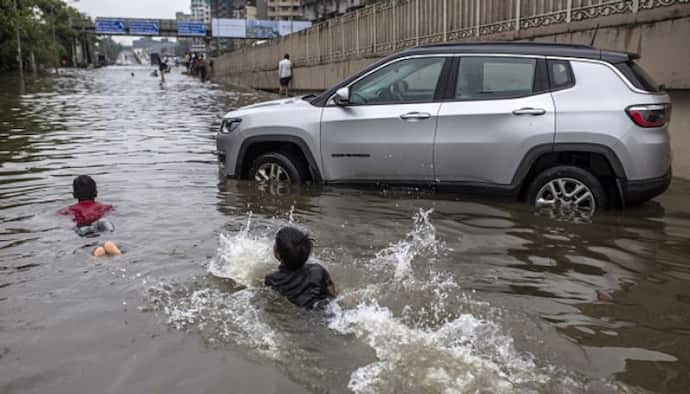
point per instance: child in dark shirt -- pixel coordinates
(88, 214)
(306, 285)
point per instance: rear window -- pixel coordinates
(560, 74)
(638, 76)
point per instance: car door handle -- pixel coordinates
(529, 111)
(415, 116)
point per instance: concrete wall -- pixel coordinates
(680, 133)
(307, 78)
(661, 37)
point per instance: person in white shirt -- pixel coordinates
(285, 73)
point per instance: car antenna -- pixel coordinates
(594, 36)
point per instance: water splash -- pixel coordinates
(219, 315)
(463, 355)
(245, 256)
(421, 239)
(428, 335)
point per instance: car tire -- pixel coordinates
(292, 166)
(572, 176)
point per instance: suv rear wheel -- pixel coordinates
(567, 189)
(278, 167)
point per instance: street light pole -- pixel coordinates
(19, 44)
(52, 9)
(74, 39)
(74, 53)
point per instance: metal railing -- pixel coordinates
(387, 26)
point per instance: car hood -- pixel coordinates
(268, 106)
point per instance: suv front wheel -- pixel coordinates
(567, 188)
(278, 167)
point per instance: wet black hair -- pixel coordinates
(287, 56)
(292, 247)
(84, 188)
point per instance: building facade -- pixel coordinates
(201, 11)
(318, 10)
(226, 8)
(231, 9)
(285, 10)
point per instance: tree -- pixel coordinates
(108, 47)
(37, 21)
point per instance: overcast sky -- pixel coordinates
(158, 9)
(132, 8)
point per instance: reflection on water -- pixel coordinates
(439, 292)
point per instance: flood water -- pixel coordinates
(439, 292)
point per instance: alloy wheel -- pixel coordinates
(272, 172)
(566, 194)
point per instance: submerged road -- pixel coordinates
(439, 291)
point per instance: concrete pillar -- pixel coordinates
(357, 32)
(342, 38)
(445, 20)
(373, 17)
(477, 18)
(395, 24)
(416, 22)
(517, 15)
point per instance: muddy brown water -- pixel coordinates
(440, 292)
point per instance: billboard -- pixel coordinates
(110, 26)
(257, 28)
(230, 28)
(289, 27)
(144, 27)
(191, 29)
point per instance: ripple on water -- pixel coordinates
(427, 334)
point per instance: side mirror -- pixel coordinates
(342, 96)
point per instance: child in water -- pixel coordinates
(305, 285)
(88, 214)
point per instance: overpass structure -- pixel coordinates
(219, 28)
(147, 27)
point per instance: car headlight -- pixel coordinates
(229, 125)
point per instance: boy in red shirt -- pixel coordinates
(88, 214)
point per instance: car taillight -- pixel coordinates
(652, 115)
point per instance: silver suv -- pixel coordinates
(564, 126)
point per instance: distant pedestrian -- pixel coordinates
(285, 74)
(162, 66)
(203, 69)
(185, 61)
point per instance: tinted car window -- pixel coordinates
(487, 78)
(406, 81)
(560, 74)
(638, 76)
